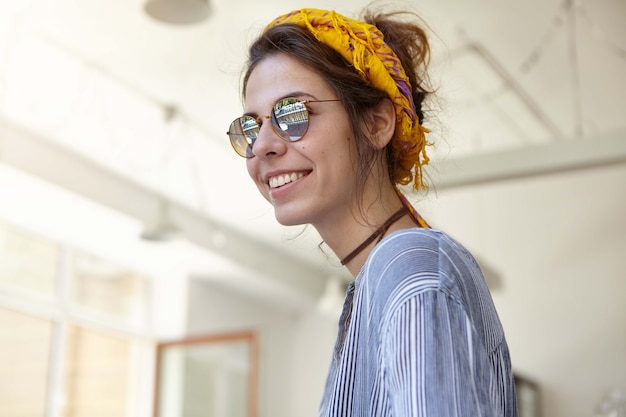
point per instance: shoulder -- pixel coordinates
(418, 251)
(418, 260)
(428, 268)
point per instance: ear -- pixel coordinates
(381, 123)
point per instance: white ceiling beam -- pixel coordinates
(559, 156)
(33, 154)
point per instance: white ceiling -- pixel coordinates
(150, 102)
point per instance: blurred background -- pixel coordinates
(127, 223)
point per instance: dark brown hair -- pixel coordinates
(407, 39)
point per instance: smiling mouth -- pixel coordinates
(281, 180)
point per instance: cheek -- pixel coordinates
(253, 170)
(250, 167)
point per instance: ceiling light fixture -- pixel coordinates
(160, 227)
(179, 12)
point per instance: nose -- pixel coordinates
(267, 142)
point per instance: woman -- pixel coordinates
(332, 128)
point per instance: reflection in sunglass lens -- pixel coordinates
(291, 118)
(249, 127)
(243, 132)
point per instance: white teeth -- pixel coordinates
(285, 179)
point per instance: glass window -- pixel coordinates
(24, 356)
(108, 288)
(98, 374)
(48, 364)
(27, 261)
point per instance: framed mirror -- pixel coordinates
(528, 397)
(207, 376)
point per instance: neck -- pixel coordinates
(378, 234)
(353, 237)
(349, 228)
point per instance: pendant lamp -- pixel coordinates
(179, 12)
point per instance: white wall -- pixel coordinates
(559, 244)
(314, 339)
(282, 389)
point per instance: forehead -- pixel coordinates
(279, 76)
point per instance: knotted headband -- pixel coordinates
(363, 45)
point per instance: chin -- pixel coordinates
(288, 219)
(288, 222)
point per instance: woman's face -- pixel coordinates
(318, 171)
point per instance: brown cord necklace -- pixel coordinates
(379, 232)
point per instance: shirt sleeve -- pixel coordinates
(429, 352)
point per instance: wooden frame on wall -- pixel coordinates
(242, 345)
(528, 396)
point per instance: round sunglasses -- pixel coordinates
(290, 120)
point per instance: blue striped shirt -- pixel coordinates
(419, 336)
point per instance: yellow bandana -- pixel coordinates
(363, 45)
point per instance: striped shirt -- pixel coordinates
(419, 336)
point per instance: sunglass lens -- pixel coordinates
(243, 132)
(291, 118)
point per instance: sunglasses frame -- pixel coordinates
(235, 138)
